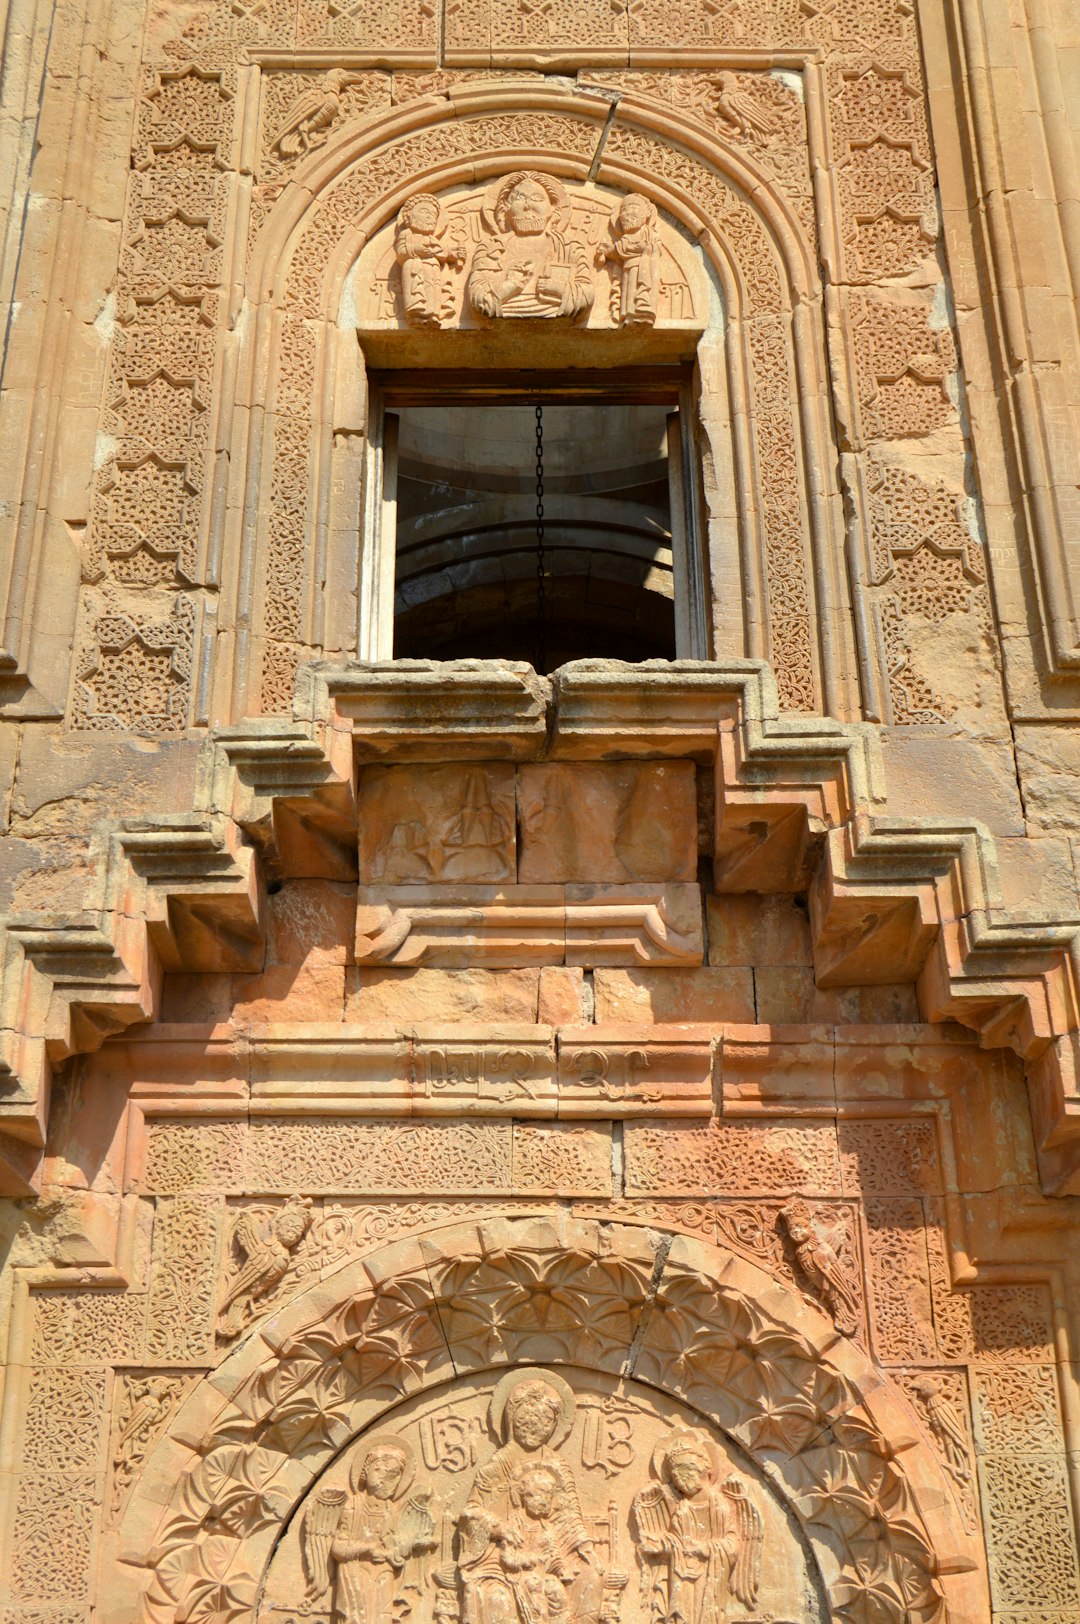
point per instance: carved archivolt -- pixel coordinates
(715, 1334)
(433, 248)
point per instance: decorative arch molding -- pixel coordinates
(300, 394)
(831, 1435)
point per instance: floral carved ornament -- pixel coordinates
(710, 1330)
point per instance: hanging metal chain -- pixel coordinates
(541, 583)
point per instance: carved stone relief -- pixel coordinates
(543, 1497)
(530, 246)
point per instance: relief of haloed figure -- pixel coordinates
(369, 1544)
(699, 1543)
(527, 1555)
(527, 1502)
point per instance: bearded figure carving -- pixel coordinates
(634, 254)
(699, 1544)
(530, 266)
(368, 1543)
(526, 1554)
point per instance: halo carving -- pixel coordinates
(710, 1330)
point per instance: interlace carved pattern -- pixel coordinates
(904, 367)
(56, 1493)
(1028, 1515)
(53, 1536)
(731, 1158)
(886, 180)
(1025, 1493)
(380, 1157)
(519, 1293)
(136, 672)
(925, 563)
(133, 666)
(898, 1157)
(182, 1279)
(782, 498)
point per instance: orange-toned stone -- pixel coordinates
(310, 921)
(616, 822)
(758, 930)
(308, 992)
(452, 995)
(561, 999)
(788, 996)
(705, 994)
(421, 825)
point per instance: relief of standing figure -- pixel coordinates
(369, 1540)
(634, 249)
(425, 245)
(699, 1544)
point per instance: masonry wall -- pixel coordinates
(780, 1011)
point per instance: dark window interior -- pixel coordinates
(466, 546)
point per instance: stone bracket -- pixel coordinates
(799, 806)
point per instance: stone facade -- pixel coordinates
(488, 1147)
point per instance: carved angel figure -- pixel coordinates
(530, 266)
(526, 1555)
(821, 1266)
(311, 116)
(425, 244)
(265, 1246)
(368, 1544)
(635, 251)
(699, 1544)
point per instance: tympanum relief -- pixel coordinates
(529, 246)
(537, 1499)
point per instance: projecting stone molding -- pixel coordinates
(797, 809)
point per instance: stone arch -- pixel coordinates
(830, 1433)
(776, 522)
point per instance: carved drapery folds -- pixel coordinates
(529, 1452)
(529, 246)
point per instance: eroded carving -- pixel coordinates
(529, 265)
(699, 1544)
(946, 1426)
(635, 252)
(144, 1403)
(264, 1246)
(821, 1267)
(311, 116)
(426, 244)
(369, 1544)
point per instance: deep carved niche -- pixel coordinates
(542, 1497)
